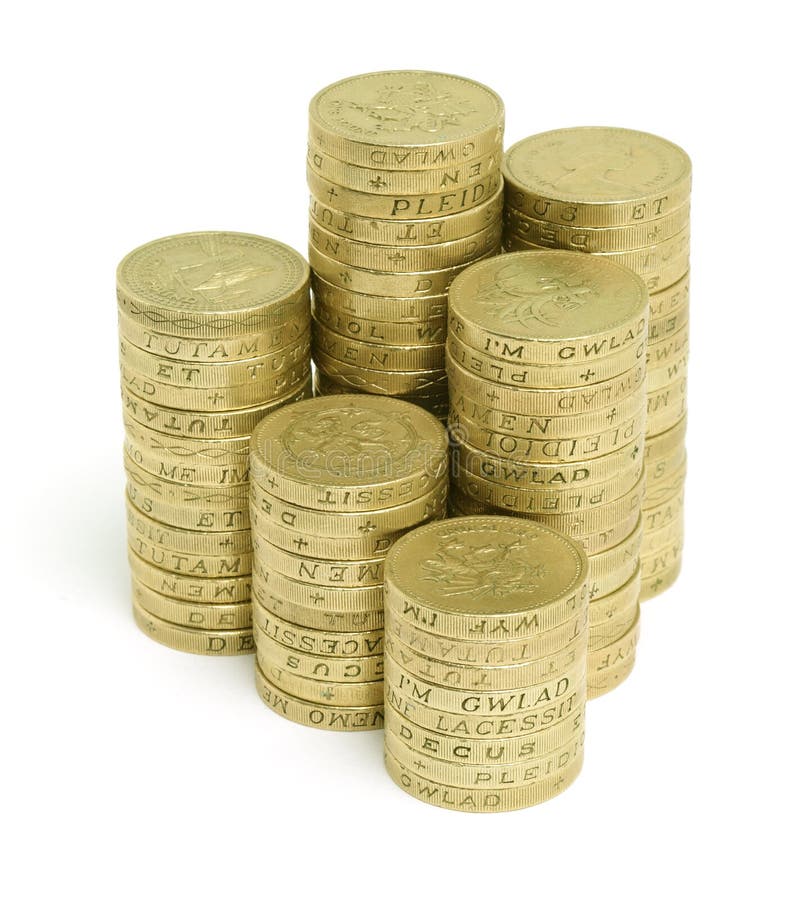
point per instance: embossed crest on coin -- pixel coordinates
(354, 439)
(486, 565)
(397, 108)
(212, 272)
(548, 295)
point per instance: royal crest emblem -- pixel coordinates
(413, 107)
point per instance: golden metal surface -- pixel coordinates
(320, 616)
(345, 670)
(193, 640)
(659, 582)
(203, 616)
(195, 589)
(338, 644)
(213, 284)
(399, 384)
(596, 176)
(388, 359)
(330, 693)
(432, 330)
(181, 539)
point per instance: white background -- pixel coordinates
(135, 771)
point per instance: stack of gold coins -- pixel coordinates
(405, 183)
(214, 335)
(335, 481)
(485, 662)
(547, 409)
(623, 195)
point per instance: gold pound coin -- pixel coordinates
(617, 604)
(611, 569)
(370, 693)
(382, 283)
(203, 616)
(655, 541)
(561, 500)
(392, 181)
(212, 400)
(216, 349)
(519, 652)
(608, 633)
(661, 561)
(550, 401)
(182, 539)
(407, 310)
(194, 589)
(671, 301)
(396, 207)
(515, 375)
(595, 240)
(515, 724)
(528, 422)
(330, 524)
(491, 750)
(484, 678)
(349, 453)
(320, 615)
(388, 258)
(486, 577)
(596, 176)
(319, 572)
(481, 800)
(318, 715)
(406, 120)
(213, 284)
(662, 490)
(336, 644)
(671, 509)
(548, 307)
(170, 468)
(175, 493)
(533, 449)
(375, 356)
(345, 670)
(202, 376)
(662, 328)
(393, 384)
(212, 519)
(214, 452)
(659, 582)
(417, 332)
(659, 266)
(190, 564)
(408, 232)
(543, 476)
(501, 776)
(268, 582)
(192, 640)
(206, 426)
(616, 653)
(604, 682)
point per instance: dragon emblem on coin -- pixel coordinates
(547, 300)
(412, 107)
(350, 441)
(207, 270)
(492, 569)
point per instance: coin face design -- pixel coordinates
(212, 272)
(350, 439)
(553, 294)
(486, 565)
(406, 107)
(589, 164)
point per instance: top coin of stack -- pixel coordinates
(547, 408)
(485, 662)
(404, 175)
(214, 335)
(334, 482)
(623, 195)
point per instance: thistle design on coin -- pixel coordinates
(494, 568)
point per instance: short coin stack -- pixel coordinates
(547, 412)
(214, 335)
(404, 173)
(335, 481)
(486, 644)
(624, 195)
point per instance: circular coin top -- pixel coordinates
(596, 164)
(349, 440)
(212, 272)
(547, 295)
(406, 108)
(486, 565)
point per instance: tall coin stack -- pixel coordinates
(335, 481)
(214, 335)
(545, 358)
(624, 195)
(404, 175)
(486, 644)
